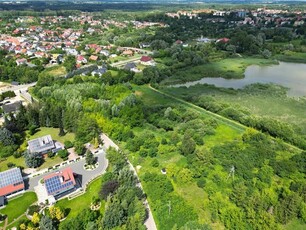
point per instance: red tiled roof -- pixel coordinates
(145, 58)
(66, 173)
(10, 189)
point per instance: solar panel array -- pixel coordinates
(54, 185)
(9, 177)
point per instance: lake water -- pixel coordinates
(290, 75)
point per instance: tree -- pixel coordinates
(33, 160)
(108, 187)
(266, 53)
(46, 223)
(6, 137)
(90, 159)
(35, 218)
(188, 145)
(70, 63)
(56, 213)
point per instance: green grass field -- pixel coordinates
(226, 68)
(77, 204)
(18, 206)
(56, 71)
(19, 162)
(54, 134)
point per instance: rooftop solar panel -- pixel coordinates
(10, 177)
(55, 186)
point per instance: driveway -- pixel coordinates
(77, 168)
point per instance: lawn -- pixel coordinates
(76, 205)
(19, 162)
(226, 68)
(56, 71)
(54, 134)
(18, 206)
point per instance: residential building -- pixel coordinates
(59, 182)
(12, 107)
(42, 145)
(11, 182)
(147, 60)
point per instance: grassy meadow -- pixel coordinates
(265, 101)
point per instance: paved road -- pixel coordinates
(121, 63)
(17, 87)
(149, 223)
(77, 168)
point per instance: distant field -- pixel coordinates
(226, 68)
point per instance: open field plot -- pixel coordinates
(56, 71)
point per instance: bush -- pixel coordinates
(155, 163)
(32, 209)
(68, 144)
(10, 165)
(63, 153)
(201, 183)
(17, 154)
(51, 154)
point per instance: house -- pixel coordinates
(144, 45)
(81, 59)
(93, 58)
(11, 182)
(2, 201)
(12, 107)
(147, 60)
(105, 53)
(204, 40)
(59, 182)
(99, 72)
(223, 40)
(21, 61)
(128, 53)
(42, 145)
(129, 66)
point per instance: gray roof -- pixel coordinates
(9, 177)
(41, 144)
(129, 66)
(12, 107)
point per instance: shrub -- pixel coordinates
(155, 163)
(32, 209)
(63, 153)
(10, 165)
(201, 183)
(51, 154)
(68, 144)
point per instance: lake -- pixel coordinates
(290, 75)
